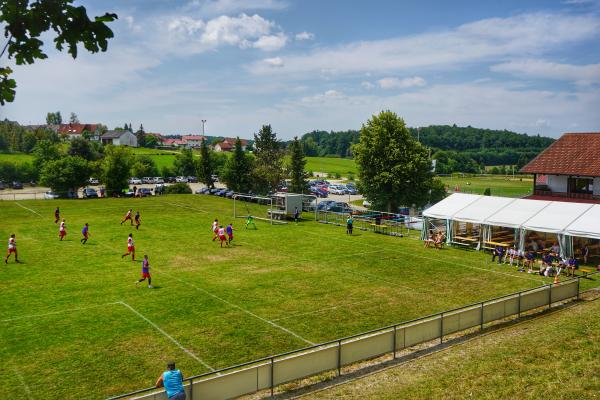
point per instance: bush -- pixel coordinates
(487, 192)
(337, 175)
(350, 176)
(178, 188)
(311, 173)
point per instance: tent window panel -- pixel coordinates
(538, 241)
(581, 185)
(467, 229)
(503, 235)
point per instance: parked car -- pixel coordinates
(366, 203)
(351, 190)
(128, 193)
(94, 181)
(135, 181)
(229, 194)
(50, 195)
(147, 179)
(221, 192)
(192, 179)
(336, 189)
(89, 193)
(213, 190)
(143, 192)
(159, 188)
(17, 185)
(323, 205)
(158, 180)
(215, 178)
(315, 191)
(203, 190)
(339, 207)
(170, 179)
(181, 179)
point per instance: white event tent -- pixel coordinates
(564, 219)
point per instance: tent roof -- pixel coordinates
(449, 206)
(479, 210)
(587, 225)
(517, 213)
(556, 217)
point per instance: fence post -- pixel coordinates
(481, 315)
(339, 360)
(519, 311)
(578, 279)
(441, 327)
(272, 377)
(394, 340)
(549, 296)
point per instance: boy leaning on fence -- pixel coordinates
(172, 381)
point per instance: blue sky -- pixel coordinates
(527, 66)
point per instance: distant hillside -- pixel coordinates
(456, 149)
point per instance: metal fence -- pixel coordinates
(269, 372)
(375, 221)
(21, 195)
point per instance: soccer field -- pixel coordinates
(74, 325)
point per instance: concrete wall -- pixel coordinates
(558, 183)
(328, 357)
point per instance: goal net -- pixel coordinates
(259, 207)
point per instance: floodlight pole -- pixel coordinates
(203, 122)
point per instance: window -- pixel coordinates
(581, 185)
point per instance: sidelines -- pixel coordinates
(188, 352)
(273, 324)
(434, 259)
(29, 209)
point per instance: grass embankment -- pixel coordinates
(499, 185)
(16, 158)
(331, 166)
(74, 325)
(551, 357)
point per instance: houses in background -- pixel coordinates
(228, 144)
(119, 138)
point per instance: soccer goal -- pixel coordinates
(258, 207)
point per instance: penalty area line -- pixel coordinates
(165, 334)
(29, 209)
(273, 324)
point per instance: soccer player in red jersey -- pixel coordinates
(56, 215)
(12, 248)
(62, 231)
(130, 248)
(215, 229)
(128, 217)
(222, 236)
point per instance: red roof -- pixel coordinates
(225, 145)
(76, 129)
(565, 199)
(232, 141)
(193, 137)
(573, 154)
(173, 141)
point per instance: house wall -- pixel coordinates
(127, 139)
(557, 183)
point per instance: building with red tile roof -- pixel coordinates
(569, 168)
(76, 130)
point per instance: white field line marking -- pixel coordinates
(57, 312)
(323, 309)
(186, 206)
(195, 357)
(29, 209)
(273, 324)
(23, 382)
(434, 259)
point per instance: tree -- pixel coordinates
(67, 174)
(205, 165)
(115, 168)
(236, 173)
(73, 119)
(82, 148)
(268, 171)
(151, 141)
(141, 136)
(43, 152)
(54, 118)
(184, 163)
(144, 165)
(297, 164)
(437, 192)
(394, 169)
(25, 22)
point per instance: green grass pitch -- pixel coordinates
(74, 325)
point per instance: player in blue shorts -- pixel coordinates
(145, 272)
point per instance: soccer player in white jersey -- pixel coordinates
(222, 236)
(130, 248)
(12, 248)
(62, 231)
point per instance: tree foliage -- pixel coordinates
(205, 165)
(83, 148)
(297, 163)
(184, 163)
(144, 165)
(394, 168)
(54, 118)
(268, 165)
(73, 118)
(25, 22)
(141, 136)
(65, 174)
(115, 168)
(178, 188)
(44, 152)
(236, 173)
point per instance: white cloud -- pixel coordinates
(305, 36)
(485, 40)
(367, 85)
(542, 69)
(270, 42)
(395, 83)
(323, 97)
(185, 25)
(235, 30)
(274, 62)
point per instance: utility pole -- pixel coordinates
(203, 122)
